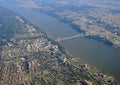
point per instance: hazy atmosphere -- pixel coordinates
(59, 42)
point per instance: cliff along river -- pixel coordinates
(89, 51)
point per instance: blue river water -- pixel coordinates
(89, 51)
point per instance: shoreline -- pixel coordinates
(75, 27)
(63, 50)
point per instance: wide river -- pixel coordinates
(89, 51)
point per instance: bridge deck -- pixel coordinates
(68, 38)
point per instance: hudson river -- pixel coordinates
(89, 51)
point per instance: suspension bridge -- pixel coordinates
(60, 39)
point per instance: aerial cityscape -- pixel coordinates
(51, 42)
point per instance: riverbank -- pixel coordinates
(88, 50)
(79, 30)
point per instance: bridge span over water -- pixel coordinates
(60, 39)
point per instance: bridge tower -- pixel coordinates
(59, 39)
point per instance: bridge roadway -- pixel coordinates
(68, 38)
